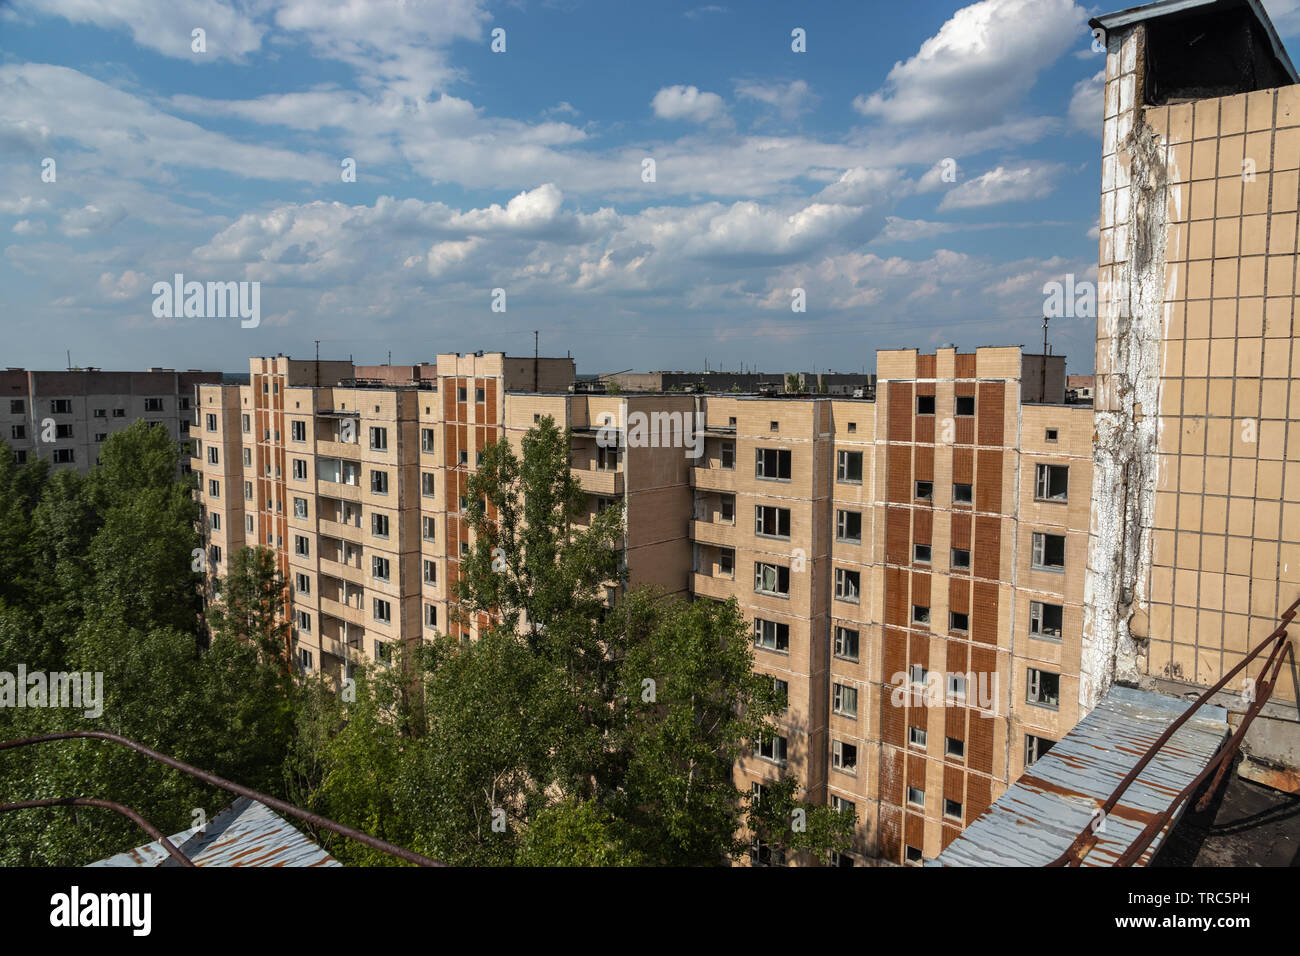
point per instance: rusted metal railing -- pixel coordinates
(126, 811)
(1279, 650)
(274, 803)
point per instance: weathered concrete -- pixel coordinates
(1131, 311)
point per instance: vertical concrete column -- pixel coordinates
(1130, 318)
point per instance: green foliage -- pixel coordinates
(575, 833)
(529, 562)
(781, 820)
(250, 606)
(565, 735)
(103, 585)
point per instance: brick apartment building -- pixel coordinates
(65, 417)
(958, 494)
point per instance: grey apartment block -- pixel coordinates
(65, 417)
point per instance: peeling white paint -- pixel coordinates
(1131, 319)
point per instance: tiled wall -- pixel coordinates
(1224, 551)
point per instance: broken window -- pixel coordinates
(1051, 482)
(1035, 747)
(772, 522)
(772, 464)
(771, 579)
(1043, 688)
(1045, 620)
(1049, 551)
(844, 757)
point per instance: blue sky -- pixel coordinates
(522, 170)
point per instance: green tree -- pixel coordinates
(530, 563)
(784, 822)
(576, 833)
(251, 605)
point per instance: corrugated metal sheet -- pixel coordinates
(1040, 815)
(246, 833)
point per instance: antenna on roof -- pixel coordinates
(1042, 395)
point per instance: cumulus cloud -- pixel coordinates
(1086, 102)
(980, 63)
(524, 213)
(1004, 185)
(688, 104)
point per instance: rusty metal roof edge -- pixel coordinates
(245, 833)
(1033, 820)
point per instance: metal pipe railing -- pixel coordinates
(126, 811)
(274, 803)
(1087, 838)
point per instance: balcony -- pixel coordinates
(705, 478)
(341, 530)
(344, 652)
(337, 489)
(344, 612)
(344, 572)
(330, 449)
(714, 532)
(600, 482)
(711, 586)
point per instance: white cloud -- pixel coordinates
(941, 175)
(22, 205)
(125, 286)
(90, 220)
(1003, 185)
(860, 186)
(788, 99)
(698, 12)
(165, 28)
(27, 227)
(982, 61)
(1086, 103)
(132, 137)
(444, 256)
(398, 45)
(688, 104)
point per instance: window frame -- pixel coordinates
(843, 456)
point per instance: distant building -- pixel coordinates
(852, 384)
(1078, 389)
(65, 417)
